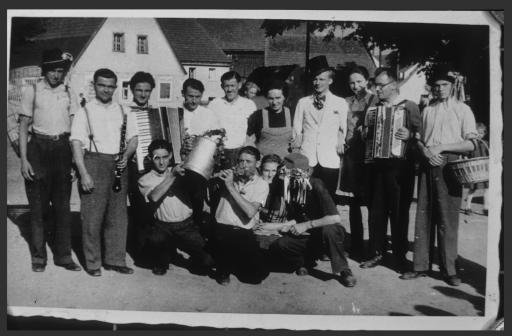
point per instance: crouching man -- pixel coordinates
(173, 225)
(306, 201)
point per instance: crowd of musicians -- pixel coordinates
(270, 201)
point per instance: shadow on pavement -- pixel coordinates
(472, 273)
(432, 311)
(478, 302)
(20, 215)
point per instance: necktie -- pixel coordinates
(318, 101)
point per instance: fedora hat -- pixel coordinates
(317, 65)
(55, 58)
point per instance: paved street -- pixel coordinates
(379, 291)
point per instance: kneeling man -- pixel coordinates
(173, 224)
(306, 201)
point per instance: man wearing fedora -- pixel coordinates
(319, 125)
(448, 129)
(49, 106)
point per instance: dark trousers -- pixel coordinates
(329, 176)
(439, 198)
(140, 213)
(299, 251)
(237, 250)
(51, 162)
(391, 189)
(104, 213)
(356, 226)
(183, 235)
(196, 186)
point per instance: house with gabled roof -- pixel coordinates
(170, 49)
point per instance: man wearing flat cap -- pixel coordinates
(320, 123)
(313, 220)
(48, 106)
(448, 130)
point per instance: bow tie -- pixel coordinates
(318, 101)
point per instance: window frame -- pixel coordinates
(145, 50)
(121, 42)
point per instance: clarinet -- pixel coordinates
(116, 187)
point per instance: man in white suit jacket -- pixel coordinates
(320, 124)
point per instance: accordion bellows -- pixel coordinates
(383, 122)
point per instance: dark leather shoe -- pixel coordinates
(347, 279)
(94, 272)
(223, 279)
(70, 266)
(302, 271)
(159, 270)
(118, 269)
(413, 275)
(38, 267)
(375, 261)
(453, 280)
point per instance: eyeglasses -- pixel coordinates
(382, 86)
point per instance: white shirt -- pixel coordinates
(174, 207)
(106, 121)
(233, 117)
(447, 122)
(50, 108)
(319, 129)
(199, 121)
(228, 212)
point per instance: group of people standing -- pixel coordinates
(272, 201)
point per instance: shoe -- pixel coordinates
(94, 272)
(159, 270)
(375, 261)
(223, 279)
(413, 275)
(453, 280)
(118, 269)
(347, 279)
(302, 271)
(325, 257)
(36, 267)
(70, 266)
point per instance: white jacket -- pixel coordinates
(317, 130)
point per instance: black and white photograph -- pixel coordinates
(326, 170)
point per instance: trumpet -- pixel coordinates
(237, 172)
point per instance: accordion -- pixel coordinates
(383, 122)
(158, 123)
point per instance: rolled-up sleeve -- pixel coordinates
(79, 127)
(27, 101)
(131, 126)
(261, 193)
(468, 123)
(146, 186)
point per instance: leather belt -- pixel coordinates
(51, 137)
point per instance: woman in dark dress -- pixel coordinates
(352, 181)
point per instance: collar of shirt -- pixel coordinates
(135, 106)
(107, 106)
(46, 86)
(233, 102)
(251, 180)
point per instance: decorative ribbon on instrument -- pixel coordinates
(296, 185)
(116, 186)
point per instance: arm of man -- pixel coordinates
(413, 124)
(157, 193)
(327, 208)
(342, 127)
(298, 119)
(253, 128)
(86, 180)
(26, 168)
(249, 209)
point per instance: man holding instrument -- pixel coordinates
(97, 137)
(391, 180)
